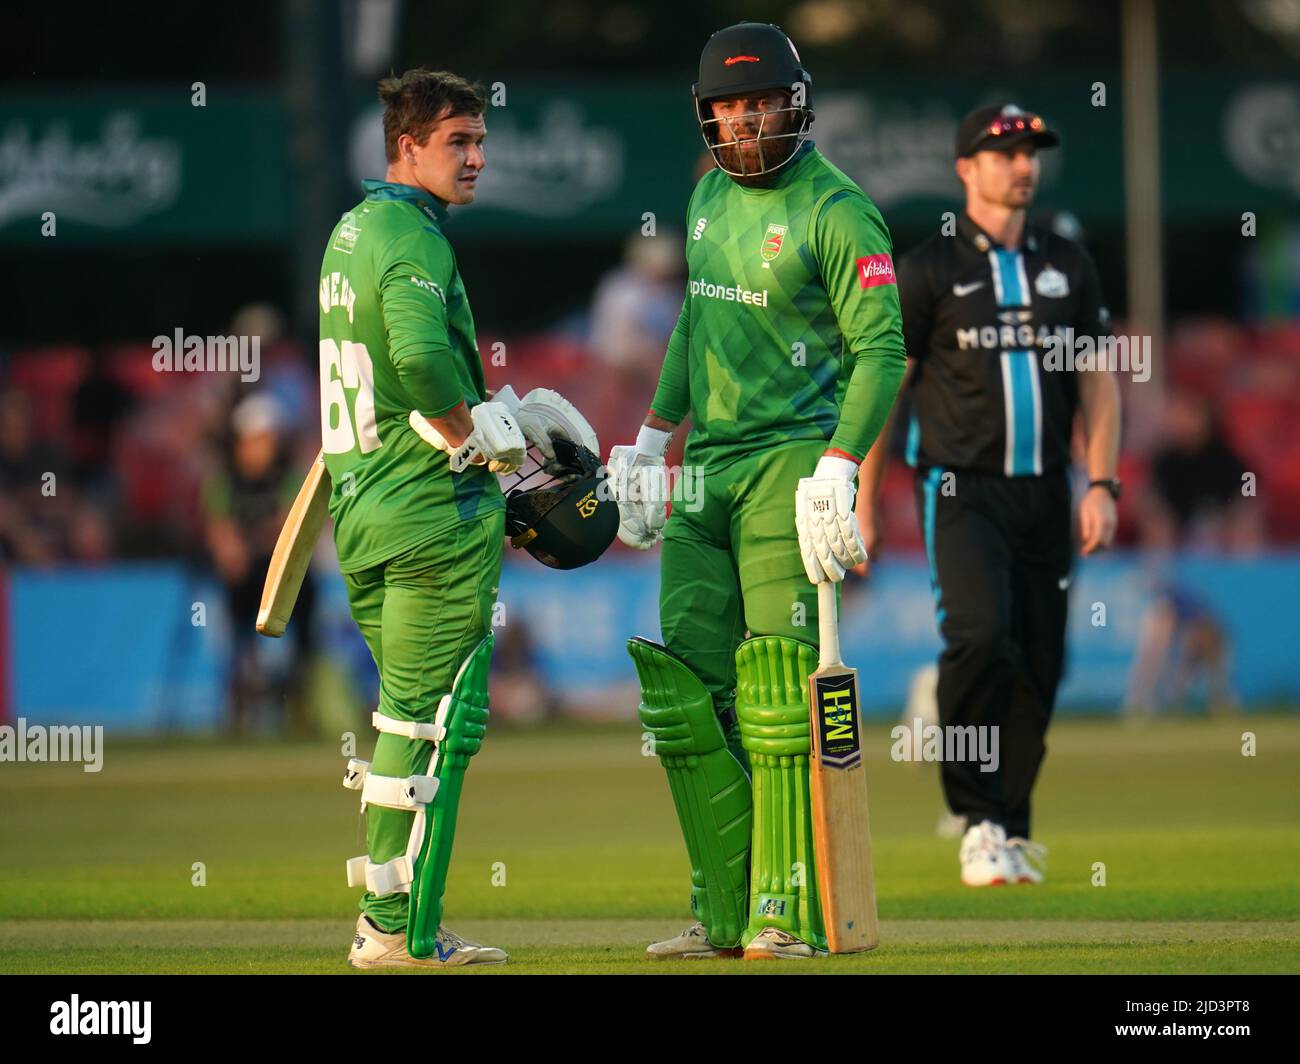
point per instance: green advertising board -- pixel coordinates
(586, 160)
(136, 167)
(578, 160)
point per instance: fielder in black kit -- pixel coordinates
(990, 436)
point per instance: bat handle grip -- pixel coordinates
(828, 628)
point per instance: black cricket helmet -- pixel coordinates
(747, 59)
(566, 519)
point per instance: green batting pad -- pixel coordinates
(709, 787)
(772, 705)
(466, 724)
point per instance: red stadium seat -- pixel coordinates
(1260, 425)
(49, 376)
(131, 365)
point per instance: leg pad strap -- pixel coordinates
(383, 878)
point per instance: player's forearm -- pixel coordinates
(455, 425)
(672, 396)
(872, 470)
(1099, 396)
(877, 376)
(428, 379)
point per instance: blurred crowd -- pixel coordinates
(102, 458)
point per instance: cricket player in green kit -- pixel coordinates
(787, 357)
(412, 446)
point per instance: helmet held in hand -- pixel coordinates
(564, 520)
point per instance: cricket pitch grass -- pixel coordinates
(568, 856)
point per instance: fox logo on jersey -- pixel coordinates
(772, 240)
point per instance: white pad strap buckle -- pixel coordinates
(411, 729)
(388, 878)
(414, 792)
(354, 776)
(396, 792)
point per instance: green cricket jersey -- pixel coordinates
(791, 328)
(396, 335)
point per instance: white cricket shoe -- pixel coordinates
(1028, 860)
(372, 948)
(984, 861)
(691, 944)
(774, 944)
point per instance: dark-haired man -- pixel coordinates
(411, 444)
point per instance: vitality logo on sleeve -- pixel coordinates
(875, 269)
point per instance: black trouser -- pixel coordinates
(1000, 550)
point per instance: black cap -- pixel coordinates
(999, 127)
(748, 57)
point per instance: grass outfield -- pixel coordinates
(1201, 848)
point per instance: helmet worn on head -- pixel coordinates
(568, 520)
(750, 58)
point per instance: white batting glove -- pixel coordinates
(638, 482)
(829, 539)
(495, 440)
(543, 415)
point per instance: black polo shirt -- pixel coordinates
(976, 317)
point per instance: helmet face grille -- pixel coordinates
(526, 508)
(571, 518)
(783, 146)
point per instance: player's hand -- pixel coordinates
(1097, 521)
(638, 482)
(545, 415)
(495, 440)
(829, 539)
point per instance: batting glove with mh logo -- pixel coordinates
(829, 539)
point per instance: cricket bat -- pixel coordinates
(293, 550)
(841, 828)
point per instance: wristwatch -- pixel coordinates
(1111, 484)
